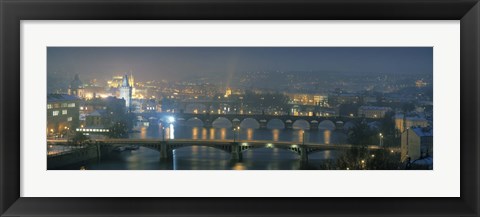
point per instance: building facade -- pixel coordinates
(62, 114)
(417, 143)
(76, 88)
(402, 123)
(373, 111)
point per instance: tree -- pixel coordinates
(387, 128)
(78, 139)
(347, 109)
(360, 158)
(353, 159)
(361, 135)
(408, 107)
(118, 130)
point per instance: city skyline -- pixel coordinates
(177, 63)
(221, 108)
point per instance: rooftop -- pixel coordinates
(54, 97)
(423, 131)
(374, 108)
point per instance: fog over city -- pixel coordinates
(183, 63)
(255, 108)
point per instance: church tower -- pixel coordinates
(126, 92)
(76, 88)
(131, 82)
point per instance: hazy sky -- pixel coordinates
(177, 62)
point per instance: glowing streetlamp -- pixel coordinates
(163, 133)
(381, 139)
(303, 137)
(235, 130)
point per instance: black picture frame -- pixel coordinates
(13, 11)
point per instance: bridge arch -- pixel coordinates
(194, 122)
(301, 124)
(249, 123)
(326, 125)
(375, 125)
(275, 124)
(349, 125)
(222, 122)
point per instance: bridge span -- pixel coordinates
(314, 122)
(166, 147)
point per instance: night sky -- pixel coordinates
(174, 63)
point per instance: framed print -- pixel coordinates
(209, 107)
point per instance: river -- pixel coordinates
(206, 158)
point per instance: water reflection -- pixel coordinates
(171, 132)
(212, 133)
(204, 133)
(326, 136)
(207, 158)
(195, 133)
(276, 133)
(223, 133)
(249, 134)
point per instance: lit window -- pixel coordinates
(81, 107)
(64, 112)
(69, 119)
(64, 105)
(71, 105)
(55, 113)
(49, 106)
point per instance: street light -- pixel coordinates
(381, 139)
(163, 133)
(303, 137)
(235, 129)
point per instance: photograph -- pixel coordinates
(239, 108)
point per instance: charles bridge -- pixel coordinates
(314, 122)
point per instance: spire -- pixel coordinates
(130, 79)
(125, 81)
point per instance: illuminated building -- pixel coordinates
(62, 113)
(228, 92)
(373, 111)
(417, 143)
(126, 92)
(402, 123)
(76, 88)
(308, 99)
(97, 118)
(117, 82)
(420, 83)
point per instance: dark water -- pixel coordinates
(207, 158)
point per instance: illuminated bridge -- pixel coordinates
(314, 122)
(234, 148)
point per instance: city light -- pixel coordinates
(304, 111)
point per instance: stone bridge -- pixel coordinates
(313, 122)
(234, 148)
